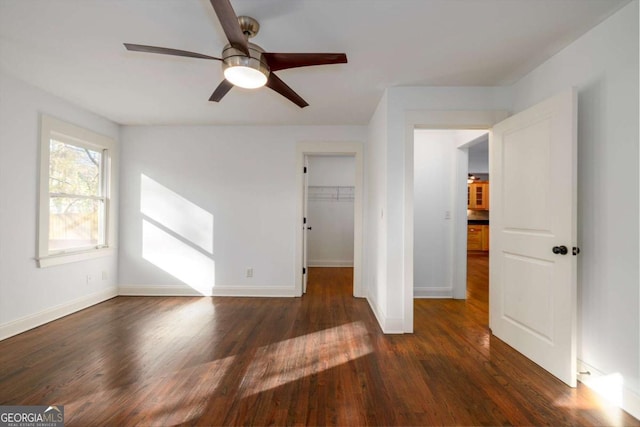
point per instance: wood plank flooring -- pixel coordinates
(316, 360)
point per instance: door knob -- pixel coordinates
(562, 250)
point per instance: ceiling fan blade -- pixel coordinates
(282, 61)
(281, 87)
(229, 21)
(222, 89)
(167, 51)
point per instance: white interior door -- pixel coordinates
(305, 224)
(533, 231)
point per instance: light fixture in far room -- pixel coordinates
(470, 179)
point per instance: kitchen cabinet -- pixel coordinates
(485, 237)
(478, 195)
(477, 237)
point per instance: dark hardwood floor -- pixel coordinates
(316, 360)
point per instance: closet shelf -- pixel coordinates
(334, 193)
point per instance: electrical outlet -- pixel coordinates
(447, 214)
(89, 279)
(249, 272)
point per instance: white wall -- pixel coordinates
(332, 170)
(240, 179)
(603, 65)
(330, 241)
(434, 168)
(30, 296)
(375, 227)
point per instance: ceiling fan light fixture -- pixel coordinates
(249, 72)
(246, 77)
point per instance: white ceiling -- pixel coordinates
(73, 48)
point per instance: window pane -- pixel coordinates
(74, 223)
(74, 170)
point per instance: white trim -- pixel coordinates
(432, 292)
(630, 398)
(226, 291)
(64, 258)
(254, 291)
(388, 325)
(329, 263)
(157, 291)
(332, 148)
(23, 324)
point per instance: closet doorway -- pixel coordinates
(351, 153)
(330, 198)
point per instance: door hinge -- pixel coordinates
(305, 169)
(304, 270)
(304, 220)
(575, 250)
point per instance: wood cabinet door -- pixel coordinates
(485, 196)
(474, 238)
(485, 237)
(478, 196)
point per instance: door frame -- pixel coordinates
(354, 149)
(439, 119)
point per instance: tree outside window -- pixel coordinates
(74, 220)
(76, 201)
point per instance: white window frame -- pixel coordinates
(52, 128)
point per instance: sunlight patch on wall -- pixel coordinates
(176, 213)
(177, 258)
(177, 236)
(287, 361)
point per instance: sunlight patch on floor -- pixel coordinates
(190, 389)
(610, 388)
(290, 360)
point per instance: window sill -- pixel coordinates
(66, 258)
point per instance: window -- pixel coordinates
(74, 217)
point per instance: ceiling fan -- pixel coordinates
(246, 64)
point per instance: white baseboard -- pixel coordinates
(610, 387)
(256, 291)
(329, 263)
(23, 324)
(433, 292)
(387, 324)
(227, 291)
